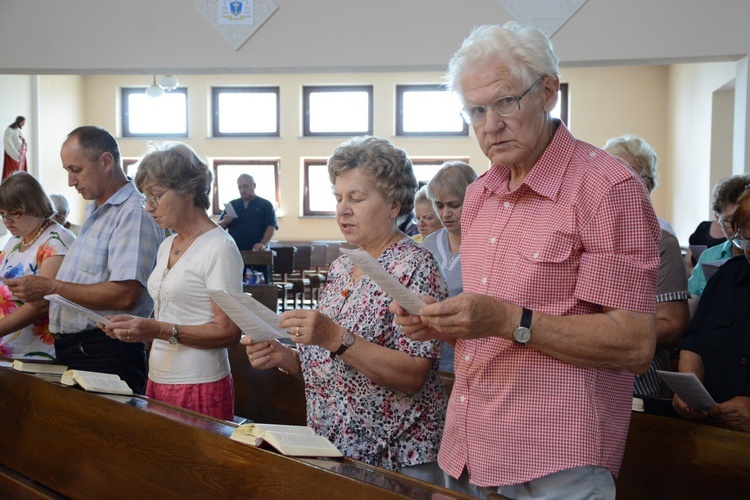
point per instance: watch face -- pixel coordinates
(173, 340)
(522, 335)
(347, 339)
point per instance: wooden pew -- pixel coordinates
(670, 458)
(64, 442)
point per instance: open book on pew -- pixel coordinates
(291, 440)
(105, 383)
(254, 319)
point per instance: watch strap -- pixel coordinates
(526, 318)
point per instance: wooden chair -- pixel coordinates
(283, 267)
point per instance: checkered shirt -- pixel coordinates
(579, 233)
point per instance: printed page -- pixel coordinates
(689, 388)
(253, 318)
(229, 209)
(57, 299)
(390, 285)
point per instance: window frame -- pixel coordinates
(215, 162)
(125, 108)
(310, 89)
(215, 111)
(306, 212)
(401, 89)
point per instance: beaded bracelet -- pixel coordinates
(294, 363)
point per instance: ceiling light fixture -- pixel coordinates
(168, 83)
(154, 90)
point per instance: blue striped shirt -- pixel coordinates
(118, 242)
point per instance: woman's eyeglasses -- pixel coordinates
(10, 217)
(740, 242)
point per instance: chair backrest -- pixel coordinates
(283, 262)
(318, 256)
(303, 258)
(332, 252)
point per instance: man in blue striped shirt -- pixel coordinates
(106, 268)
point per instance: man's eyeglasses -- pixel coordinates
(152, 201)
(505, 106)
(740, 242)
(9, 216)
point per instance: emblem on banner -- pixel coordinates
(236, 12)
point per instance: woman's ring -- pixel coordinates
(297, 333)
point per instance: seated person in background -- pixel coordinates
(707, 235)
(428, 220)
(672, 313)
(62, 209)
(38, 246)
(724, 201)
(370, 390)
(188, 362)
(716, 346)
(446, 190)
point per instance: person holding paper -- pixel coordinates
(370, 390)
(672, 312)
(107, 266)
(716, 345)
(38, 246)
(252, 221)
(559, 258)
(189, 333)
(446, 191)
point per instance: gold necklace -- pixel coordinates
(38, 234)
(190, 238)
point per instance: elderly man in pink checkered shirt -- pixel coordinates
(560, 262)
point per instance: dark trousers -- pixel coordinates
(93, 351)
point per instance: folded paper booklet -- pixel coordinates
(58, 299)
(291, 440)
(106, 383)
(390, 285)
(37, 367)
(230, 211)
(690, 389)
(254, 319)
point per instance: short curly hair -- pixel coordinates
(176, 166)
(728, 191)
(388, 165)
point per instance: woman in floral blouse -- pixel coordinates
(370, 390)
(37, 247)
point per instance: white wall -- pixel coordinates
(691, 95)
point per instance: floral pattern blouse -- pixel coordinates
(35, 340)
(367, 421)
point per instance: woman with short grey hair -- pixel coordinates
(188, 361)
(370, 390)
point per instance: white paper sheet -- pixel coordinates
(253, 318)
(58, 299)
(390, 285)
(229, 209)
(689, 388)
